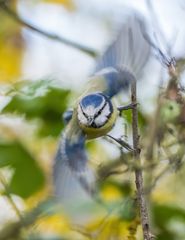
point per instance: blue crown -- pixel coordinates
(94, 99)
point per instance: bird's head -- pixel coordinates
(95, 112)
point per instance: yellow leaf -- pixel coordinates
(110, 228)
(53, 224)
(11, 49)
(111, 193)
(66, 3)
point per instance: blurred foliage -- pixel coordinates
(142, 119)
(170, 110)
(129, 211)
(165, 217)
(27, 176)
(39, 100)
(116, 215)
(11, 49)
(122, 188)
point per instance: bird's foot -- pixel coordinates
(127, 107)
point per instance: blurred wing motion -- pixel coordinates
(124, 59)
(70, 168)
(130, 50)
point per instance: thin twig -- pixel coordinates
(138, 172)
(45, 33)
(109, 168)
(110, 173)
(157, 178)
(9, 197)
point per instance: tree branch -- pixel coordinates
(138, 172)
(47, 34)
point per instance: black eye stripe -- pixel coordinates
(99, 112)
(107, 99)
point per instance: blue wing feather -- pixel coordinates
(130, 50)
(70, 166)
(69, 183)
(125, 58)
(117, 81)
(67, 115)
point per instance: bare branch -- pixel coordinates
(138, 172)
(45, 33)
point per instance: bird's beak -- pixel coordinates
(90, 121)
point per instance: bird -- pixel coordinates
(94, 113)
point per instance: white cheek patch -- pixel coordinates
(82, 119)
(100, 121)
(106, 111)
(102, 118)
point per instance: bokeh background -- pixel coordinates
(40, 78)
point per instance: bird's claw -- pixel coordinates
(127, 107)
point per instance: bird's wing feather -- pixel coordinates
(130, 50)
(123, 61)
(71, 173)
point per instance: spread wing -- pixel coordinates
(130, 50)
(124, 60)
(71, 173)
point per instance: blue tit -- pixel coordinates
(94, 113)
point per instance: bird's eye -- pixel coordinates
(99, 112)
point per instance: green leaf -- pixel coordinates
(128, 210)
(127, 115)
(162, 216)
(48, 105)
(166, 235)
(170, 111)
(28, 176)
